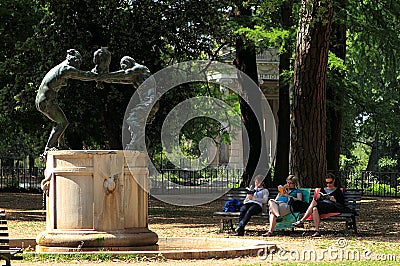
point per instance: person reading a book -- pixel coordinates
(279, 206)
(252, 204)
(329, 199)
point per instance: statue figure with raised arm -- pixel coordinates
(134, 73)
(46, 98)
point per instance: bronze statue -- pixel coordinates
(102, 60)
(46, 98)
(134, 73)
(130, 73)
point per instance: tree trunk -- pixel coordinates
(283, 142)
(246, 62)
(373, 157)
(308, 136)
(335, 93)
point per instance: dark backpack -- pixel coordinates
(232, 205)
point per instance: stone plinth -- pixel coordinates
(96, 200)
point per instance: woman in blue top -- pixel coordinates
(279, 206)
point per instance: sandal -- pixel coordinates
(239, 231)
(267, 234)
(298, 224)
(316, 234)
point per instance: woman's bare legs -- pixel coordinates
(316, 218)
(273, 208)
(272, 222)
(309, 210)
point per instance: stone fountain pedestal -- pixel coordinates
(96, 201)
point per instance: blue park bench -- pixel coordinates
(228, 219)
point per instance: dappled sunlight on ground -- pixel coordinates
(378, 225)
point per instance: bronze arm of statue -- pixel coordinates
(135, 74)
(130, 73)
(46, 98)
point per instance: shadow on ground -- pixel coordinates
(378, 220)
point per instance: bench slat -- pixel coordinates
(7, 253)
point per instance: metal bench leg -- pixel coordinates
(221, 225)
(353, 218)
(231, 224)
(8, 261)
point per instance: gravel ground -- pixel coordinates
(26, 219)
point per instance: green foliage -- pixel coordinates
(171, 32)
(357, 159)
(19, 19)
(12, 183)
(380, 189)
(372, 63)
(336, 63)
(265, 38)
(36, 34)
(387, 164)
(194, 130)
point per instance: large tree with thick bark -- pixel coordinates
(308, 126)
(245, 61)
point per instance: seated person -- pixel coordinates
(330, 199)
(279, 206)
(252, 204)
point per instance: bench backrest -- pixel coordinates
(4, 241)
(352, 197)
(241, 193)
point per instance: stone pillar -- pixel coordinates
(96, 201)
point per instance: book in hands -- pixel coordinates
(250, 191)
(283, 190)
(323, 196)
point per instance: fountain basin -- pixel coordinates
(182, 248)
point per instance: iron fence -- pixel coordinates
(208, 180)
(371, 183)
(17, 179)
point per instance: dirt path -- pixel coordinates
(174, 221)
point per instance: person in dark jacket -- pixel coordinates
(330, 199)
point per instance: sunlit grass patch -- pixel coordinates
(97, 257)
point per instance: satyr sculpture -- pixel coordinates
(102, 60)
(130, 73)
(134, 73)
(46, 98)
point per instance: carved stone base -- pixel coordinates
(97, 200)
(73, 241)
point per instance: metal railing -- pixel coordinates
(19, 179)
(371, 183)
(208, 180)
